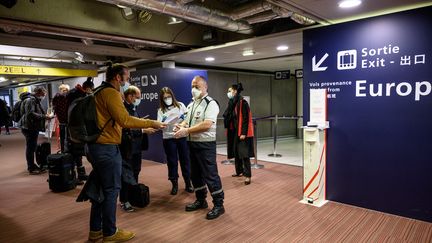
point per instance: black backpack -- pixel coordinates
(82, 119)
(16, 111)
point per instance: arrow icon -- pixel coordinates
(316, 66)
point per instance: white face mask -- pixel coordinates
(124, 87)
(230, 95)
(137, 102)
(196, 93)
(168, 101)
(41, 97)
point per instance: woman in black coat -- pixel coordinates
(238, 122)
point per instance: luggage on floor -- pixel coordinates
(62, 176)
(139, 195)
(42, 152)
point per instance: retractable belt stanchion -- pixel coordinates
(255, 165)
(227, 162)
(274, 154)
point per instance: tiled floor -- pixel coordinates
(289, 148)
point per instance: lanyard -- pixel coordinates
(193, 111)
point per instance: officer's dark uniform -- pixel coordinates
(202, 146)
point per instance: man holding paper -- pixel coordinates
(200, 127)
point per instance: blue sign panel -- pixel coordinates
(151, 81)
(378, 75)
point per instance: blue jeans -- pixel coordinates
(173, 147)
(106, 162)
(31, 137)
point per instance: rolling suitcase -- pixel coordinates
(42, 152)
(139, 195)
(61, 173)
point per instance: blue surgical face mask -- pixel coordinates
(137, 102)
(124, 87)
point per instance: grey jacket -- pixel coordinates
(33, 114)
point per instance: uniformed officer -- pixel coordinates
(200, 127)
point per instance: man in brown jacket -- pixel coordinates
(104, 155)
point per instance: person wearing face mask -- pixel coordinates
(77, 149)
(105, 157)
(130, 148)
(200, 128)
(33, 122)
(171, 110)
(238, 122)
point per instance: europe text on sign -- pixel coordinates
(43, 71)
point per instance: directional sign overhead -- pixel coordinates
(43, 71)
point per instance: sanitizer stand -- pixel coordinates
(314, 165)
(315, 150)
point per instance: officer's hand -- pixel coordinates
(182, 132)
(177, 127)
(242, 137)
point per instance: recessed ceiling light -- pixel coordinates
(209, 59)
(282, 48)
(349, 3)
(248, 53)
(173, 20)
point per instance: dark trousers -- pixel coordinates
(243, 166)
(176, 149)
(31, 137)
(106, 161)
(63, 131)
(204, 171)
(135, 164)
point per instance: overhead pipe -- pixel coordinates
(262, 17)
(250, 9)
(12, 26)
(300, 16)
(189, 12)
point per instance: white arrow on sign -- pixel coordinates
(316, 66)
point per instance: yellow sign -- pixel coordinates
(44, 71)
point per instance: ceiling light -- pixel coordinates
(14, 81)
(120, 6)
(282, 48)
(349, 3)
(248, 53)
(2, 79)
(87, 41)
(209, 59)
(173, 20)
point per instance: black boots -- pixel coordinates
(188, 186)
(82, 173)
(198, 204)
(215, 212)
(174, 188)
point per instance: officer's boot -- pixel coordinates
(218, 208)
(174, 188)
(188, 186)
(82, 173)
